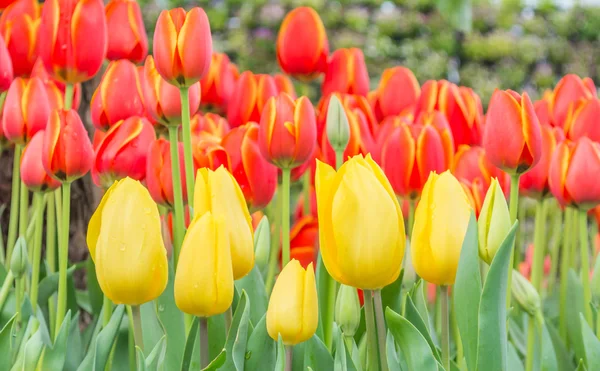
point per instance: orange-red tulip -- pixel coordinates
(475, 192)
(118, 96)
(567, 92)
(72, 39)
(284, 85)
(127, 37)
(19, 26)
(257, 177)
(512, 137)
(288, 131)
(397, 92)
(471, 166)
(5, 3)
(219, 82)
(162, 99)
(33, 174)
(582, 120)
(159, 178)
(182, 46)
(208, 125)
(346, 73)
(571, 172)
(304, 237)
(210, 154)
(68, 153)
(6, 68)
(123, 152)
(55, 89)
(302, 46)
(26, 109)
(249, 97)
(542, 108)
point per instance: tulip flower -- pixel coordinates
(494, 222)
(304, 241)
(534, 183)
(127, 37)
(356, 104)
(582, 120)
(72, 39)
(542, 108)
(162, 100)
(567, 92)
(284, 85)
(512, 137)
(19, 25)
(118, 95)
(208, 125)
(6, 67)
(26, 110)
(218, 83)
(441, 221)
(204, 277)
(124, 239)
(55, 89)
(397, 92)
(257, 177)
(123, 152)
(68, 153)
(346, 73)
(33, 174)
(472, 165)
(159, 179)
(250, 95)
(293, 311)
(475, 192)
(218, 192)
(210, 154)
(367, 198)
(302, 46)
(182, 46)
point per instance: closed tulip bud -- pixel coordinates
(19, 25)
(494, 222)
(284, 85)
(525, 294)
(304, 237)
(441, 221)
(208, 125)
(347, 310)
(182, 46)
(397, 92)
(249, 97)
(55, 89)
(346, 73)
(6, 67)
(470, 163)
(162, 99)
(218, 192)
(68, 153)
(262, 243)
(33, 174)
(127, 37)
(255, 175)
(72, 39)
(218, 83)
(293, 311)
(18, 261)
(582, 120)
(369, 204)
(512, 137)
(204, 277)
(123, 152)
(26, 110)
(288, 131)
(567, 92)
(534, 183)
(159, 178)
(338, 129)
(125, 241)
(302, 46)
(118, 96)
(210, 154)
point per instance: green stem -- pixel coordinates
(51, 253)
(513, 208)
(585, 266)
(19, 293)
(106, 310)
(445, 328)
(187, 146)
(289, 353)
(306, 190)
(574, 236)
(531, 339)
(285, 216)
(275, 242)
(349, 342)
(539, 245)
(14, 202)
(38, 204)
(137, 327)
(460, 355)
(381, 332)
(203, 328)
(6, 285)
(130, 339)
(178, 213)
(24, 211)
(372, 363)
(564, 274)
(63, 256)
(554, 259)
(329, 309)
(69, 91)
(411, 215)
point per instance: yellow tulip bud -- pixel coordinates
(441, 221)
(361, 228)
(218, 192)
(494, 222)
(293, 310)
(125, 241)
(204, 277)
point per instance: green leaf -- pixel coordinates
(75, 345)
(564, 359)
(391, 353)
(93, 288)
(141, 366)
(21, 340)
(513, 360)
(581, 366)
(280, 362)
(32, 351)
(549, 355)
(238, 335)
(156, 355)
(492, 346)
(324, 287)
(49, 285)
(190, 345)
(99, 350)
(391, 295)
(218, 362)
(217, 335)
(172, 321)
(153, 329)
(254, 286)
(412, 344)
(261, 348)
(262, 246)
(340, 361)
(315, 354)
(590, 342)
(5, 343)
(413, 316)
(417, 293)
(55, 356)
(575, 307)
(467, 293)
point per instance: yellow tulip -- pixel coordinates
(204, 277)
(218, 192)
(494, 222)
(125, 241)
(361, 228)
(293, 310)
(441, 221)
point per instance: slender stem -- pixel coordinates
(106, 310)
(381, 332)
(411, 215)
(19, 292)
(38, 204)
(63, 256)
(289, 352)
(329, 310)
(69, 90)
(574, 236)
(23, 211)
(513, 208)
(349, 342)
(203, 328)
(275, 242)
(539, 245)
(372, 363)
(306, 191)
(14, 202)
(50, 233)
(228, 320)
(585, 266)
(554, 258)
(564, 274)
(445, 328)
(137, 326)
(187, 145)
(531, 339)
(178, 216)
(130, 339)
(285, 216)
(58, 206)
(6, 285)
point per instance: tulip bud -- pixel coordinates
(347, 310)
(346, 73)
(18, 260)
(210, 154)
(249, 97)
(219, 82)
(6, 67)
(534, 183)
(470, 164)
(19, 26)
(338, 129)
(159, 178)
(397, 92)
(293, 310)
(581, 121)
(127, 37)
(33, 174)
(55, 89)
(525, 294)
(125, 241)
(209, 125)
(262, 244)
(570, 89)
(204, 277)
(284, 85)
(494, 222)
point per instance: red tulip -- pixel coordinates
(159, 178)
(542, 108)
(55, 89)
(302, 45)
(567, 92)
(68, 153)
(182, 46)
(397, 92)
(72, 39)
(5, 3)
(209, 125)
(33, 174)
(219, 82)
(19, 25)
(471, 165)
(26, 110)
(127, 37)
(582, 120)
(249, 97)
(210, 154)
(475, 192)
(304, 236)
(346, 73)
(284, 85)
(6, 68)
